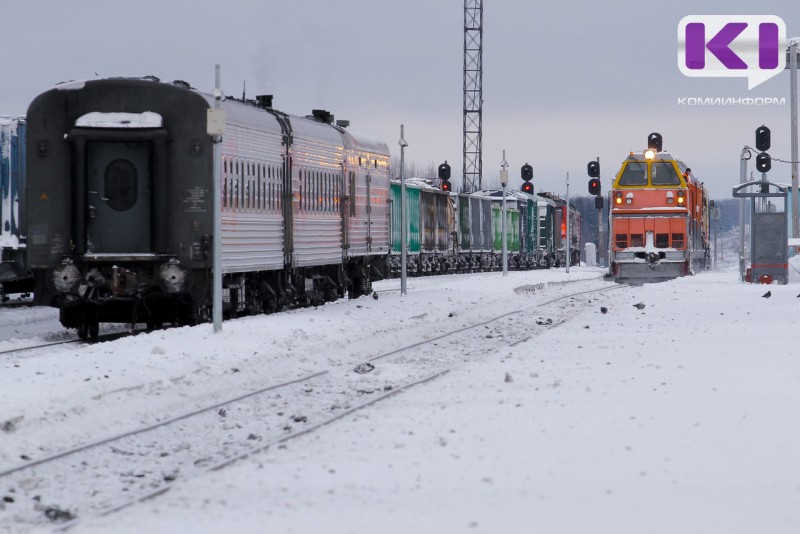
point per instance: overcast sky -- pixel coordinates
(563, 82)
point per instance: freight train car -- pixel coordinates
(659, 218)
(431, 227)
(14, 274)
(120, 220)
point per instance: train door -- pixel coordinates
(118, 186)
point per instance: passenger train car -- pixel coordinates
(14, 274)
(120, 181)
(659, 218)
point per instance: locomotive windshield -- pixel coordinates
(635, 173)
(663, 173)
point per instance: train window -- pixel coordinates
(663, 173)
(662, 240)
(225, 193)
(677, 241)
(622, 240)
(120, 185)
(635, 173)
(637, 240)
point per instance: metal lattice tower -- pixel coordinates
(473, 94)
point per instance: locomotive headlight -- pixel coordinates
(629, 198)
(649, 154)
(681, 199)
(670, 197)
(618, 198)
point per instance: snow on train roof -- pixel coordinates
(419, 183)
(97, 119)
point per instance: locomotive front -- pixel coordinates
(120, 201)
(658, 218)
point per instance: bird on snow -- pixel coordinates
(639, 305)
(603, 309)
(767, 295)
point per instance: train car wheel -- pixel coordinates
(83, 328)
(94, 329)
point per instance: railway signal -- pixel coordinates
(593, 169)
(527, 175)
(763, 162)
(444, 176)
(654, 141)
(762, 138)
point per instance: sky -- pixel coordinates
(561, 85)
(562, 411)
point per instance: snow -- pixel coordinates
(97, 119)
(679, 417)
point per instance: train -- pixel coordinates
(14, 274)
(462, 232)
(658, 218)
(120, 181)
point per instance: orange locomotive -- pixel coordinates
(658, 218)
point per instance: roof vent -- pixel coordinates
(181, 83)
(264, 101)
(152, 78)
(322, 116)
(342, 124)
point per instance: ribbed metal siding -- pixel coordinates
(512, 228)
(252, 227)
(317, 149)
(464, 222)
(412, 201)
(434, 212)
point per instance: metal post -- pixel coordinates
(793, 99)
(566, 214)
(216, 308)
(403, 213)
(745, 155)
(504, 183)
(599, 227)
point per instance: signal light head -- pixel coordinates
(763, 162)
(762, 138)
(444, 171)
(527, 187)
(446, 185)
(527, 172)
(654, 141)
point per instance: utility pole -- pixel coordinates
(504, 183)
(473, 94)
(793, 98)
(403, 213)
(215, 128)
(566, 214)
(745, 155)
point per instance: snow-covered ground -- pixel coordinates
(676, 417)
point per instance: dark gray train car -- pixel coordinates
(120, 205)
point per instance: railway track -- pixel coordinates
(136, 467)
